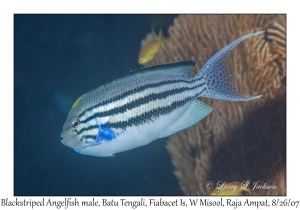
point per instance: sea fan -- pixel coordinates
(238, 140)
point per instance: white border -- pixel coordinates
(8, 8)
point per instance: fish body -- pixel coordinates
(232, 188)
(151, 49)
(148, 104)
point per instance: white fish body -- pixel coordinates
(146, 105)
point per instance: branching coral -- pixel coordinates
(238, 140)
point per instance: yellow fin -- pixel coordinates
(160, 37)
(76, 102)
(160, 34)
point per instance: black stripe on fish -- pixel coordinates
(140, 101)
(148, 116)
(151, 115)
(87, 128)
(136, 90)
(93, 137)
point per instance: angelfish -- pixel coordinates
(148, 104)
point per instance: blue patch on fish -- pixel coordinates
(77, 150)
(105, 133)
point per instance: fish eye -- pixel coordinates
(75, 123)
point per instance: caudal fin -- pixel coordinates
(217, 76)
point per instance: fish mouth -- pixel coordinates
(69, 142)
(64, 141)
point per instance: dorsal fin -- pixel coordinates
(160, 34)
(183, 68)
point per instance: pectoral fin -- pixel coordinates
(196, 112)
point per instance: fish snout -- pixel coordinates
(72, 143)
(64, 141)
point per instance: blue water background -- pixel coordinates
(57, 58)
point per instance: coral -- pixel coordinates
(238, 140)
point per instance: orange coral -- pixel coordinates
(238, 140)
